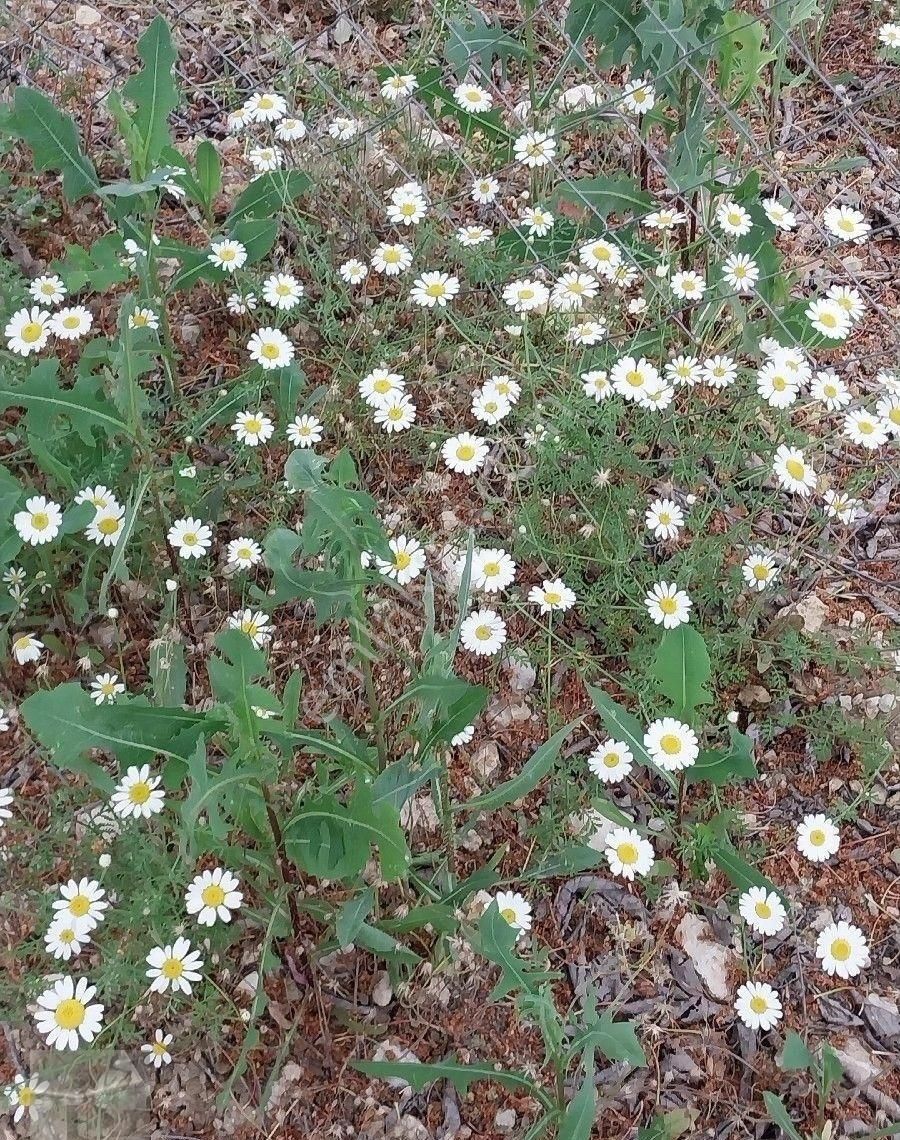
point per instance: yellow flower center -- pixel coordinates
(473, 96)
(213, 895)
(827, 319)
(668, 605)
(408, 209)
(70, 1013)
(611, 760)
(760, 572)
(894, 414)
(779, 384)
(79, 906)
(395, 413)
(159, 1050)
(71, 322)
(25, 1096)
(40, 520)
(795, 468)
(601, 253)
(627, 853)
(763, 910)
(108, 525)
(635, 377)
(22, 642)
(552, 597)
(465, 452)
(189, 538)
(759, 1004)
(172, 968)
(265, 103)
(67, 936)
(283, 289)
(140, 792)
(253, 425)
(435, 289)
(509, 914)
(401, 560)
(670, 744)
(490, 569)
(226, 254)
(846, 225)
(840, 949)
(32, 332)
(483, 632)
(866, 427)
(270, 350)
(249, 627)
(139, 320)
(48, 289)
(526, 294)
(391, 256)
(665, 518)
(817, 837)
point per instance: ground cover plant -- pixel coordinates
(447, 641)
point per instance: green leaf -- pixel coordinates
(718, 766)
(496, 942)
(442, 104)
(603, 196)
(682, 669)
(780, 1115)
(68, 724)
(352, 915)
(419, 1076)
(478, 40)
(527, 780)
(742, 57)
(611, 23)
(267, 195)
(581, 1111)
(53, 140)
(44, 401)
(323, 833)
(616, 1040)
(739, 872)
(209, 172)
(153, 92)
(796, 1055)
(380, 942)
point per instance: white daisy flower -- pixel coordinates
(304, 431)
(473, 98)
(733, 219)
(829, 318)
(843, 950)
(611, 762)
(266, 107)
(243, 553)
(138, 795)
(190, 537)
(818, 838)
(106, 526)
(264, 159)
(105, 687)
(629, 376)
(596, 384)
(628, 853)
(759, 570)
(143, 319)
(688, 285)
(24, 1095)
(174, 967)
(395, 87)
(664, 518)
(27, 331)
(156, 1052)
(638, 97)
(484, 190)
(829, 389)
(380, 386)
(865, 429)
(671, 745)
(27, 648)
(270, 348)
(290, 130)
(395, 413)
(434, 289)
(792, 471)
(492, 570)
(483, 633)
(762, 910)
(552, 595)
(685, 370)
(667, 605)
(81, 902)
(464, 453)
(40, 522)
(601, 255)
(227, 254)
(254, 623)
(846, 223)
(213, 895)
(66, 938)
(48, 289)
(72, 322)
(515, 910)
(253, 428)
(407, 563)
(66, 1015)
(353, 271)
(779, 215)
(282, 291)
(758, 1005)
(535, 149)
